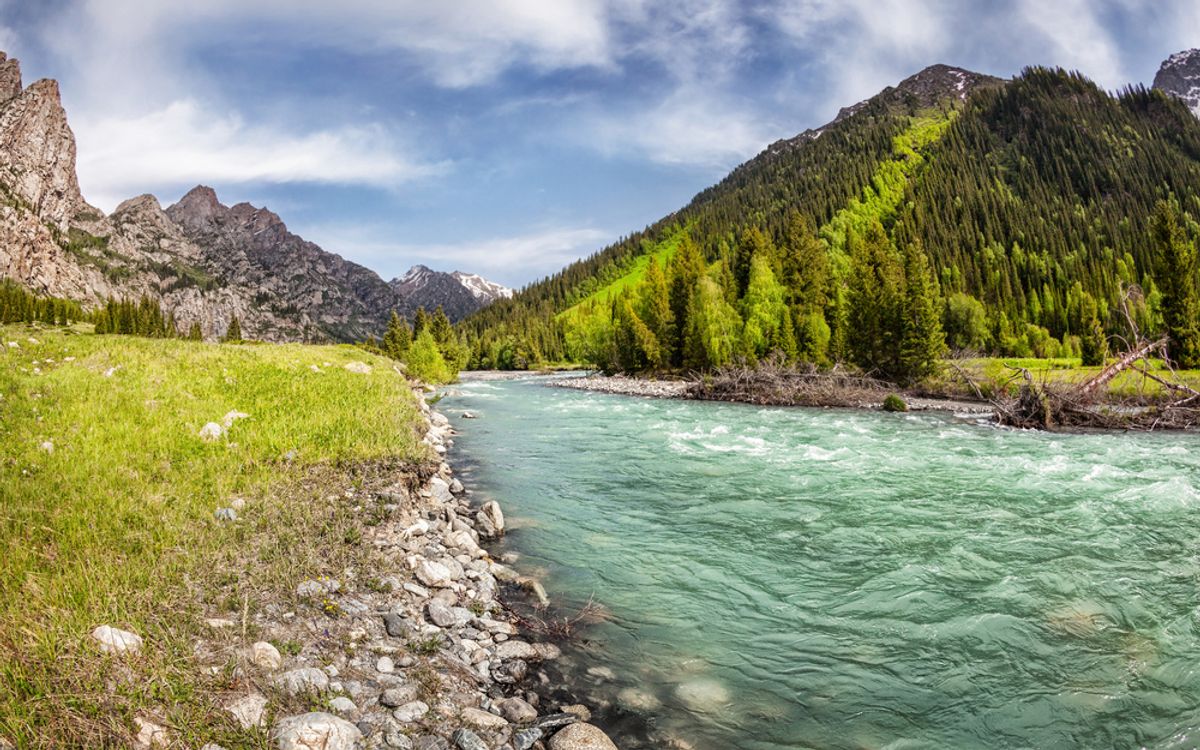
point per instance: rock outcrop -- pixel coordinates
(1179, 76)
(459, 294)
(204, 261)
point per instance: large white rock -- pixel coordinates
(433, 573)
(150, 735)
(302, 680)
(359, 368)
(703, 695)
(516, 650)
(440, 490)
(491, 519)
(211, 432)
(410, 712)
(477, 717)
(265, 656)
(115, 641)
(581, 736)
(315, 731)
(248, 711)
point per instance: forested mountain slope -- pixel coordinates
(1030, 200)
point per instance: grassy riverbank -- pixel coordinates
(107, 513)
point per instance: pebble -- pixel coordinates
(394, 625)
(315, 730)
(211, 432)
(385, 665)
(248, 711)
(302, 680)
(465, 739)
(115, 641)
(150, 735)
(483, 719)
(265, 656)
(343, 706)
(398, 696)
(526, 738)
(410, 712)
(440, 614)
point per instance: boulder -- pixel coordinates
(265, 656)
(115, 641)
(517, 711)
(433, 573)
(358, 368)
(248, 711)
(580, 736)
(411, 712)
(315, 731)
(302, 680)
(490, 519)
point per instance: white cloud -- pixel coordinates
(183, 144)
(509, 260)
(1077, 37)
(690, 127)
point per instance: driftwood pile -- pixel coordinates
(775, 383)
(1044, 406)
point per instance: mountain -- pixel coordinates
(1031, 199)
(204, 261)
(1179, 76)
(459, 294)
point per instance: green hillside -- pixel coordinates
(1013, 218)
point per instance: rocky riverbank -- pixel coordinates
(418, 652)
(645, 387)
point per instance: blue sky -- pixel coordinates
(508, 137)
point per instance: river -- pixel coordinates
(802, 578)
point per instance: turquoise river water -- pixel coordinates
(796, 578)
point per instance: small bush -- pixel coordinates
(894, 403)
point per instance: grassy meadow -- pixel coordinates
(107, 500)
(995, 372)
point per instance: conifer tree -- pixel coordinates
(805, 264)
(397, 338)
(714, 328)
(234, 332)
(420, 322)
(874, 301)
(654, 306)
(1177, 280)
(922, 343)
(195, 333)
(763, 310)
(687, 267)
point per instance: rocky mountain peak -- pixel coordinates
(10, 79)
(1179, 76)
(198, 208)
(37, 148)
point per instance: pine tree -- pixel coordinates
(420, 322)
(763, 310)
(714, 328)
(1176, 277)
(654, 308)
(805, 264)
(874, 302)
(922, 343)
(397, 338)
(687, 267)
(233, 333)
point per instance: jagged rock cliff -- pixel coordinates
(204, 261)
(459, 294)
(1179, 76)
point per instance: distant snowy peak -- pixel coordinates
(1179, 76)
(481, 287)
(458, 293)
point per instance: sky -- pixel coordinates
(509, 137)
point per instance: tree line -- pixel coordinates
(431, 349)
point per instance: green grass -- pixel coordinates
(1129, 384)
(661, 254)
(115, 524)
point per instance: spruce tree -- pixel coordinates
(805, 264)
(654, 305)
(763, 310)
(875, 299)
(233, 333)
(922, 343)
(397, 338)
(420, 322)
(686, 269)
(1176, 278)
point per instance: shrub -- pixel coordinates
(894, 403)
